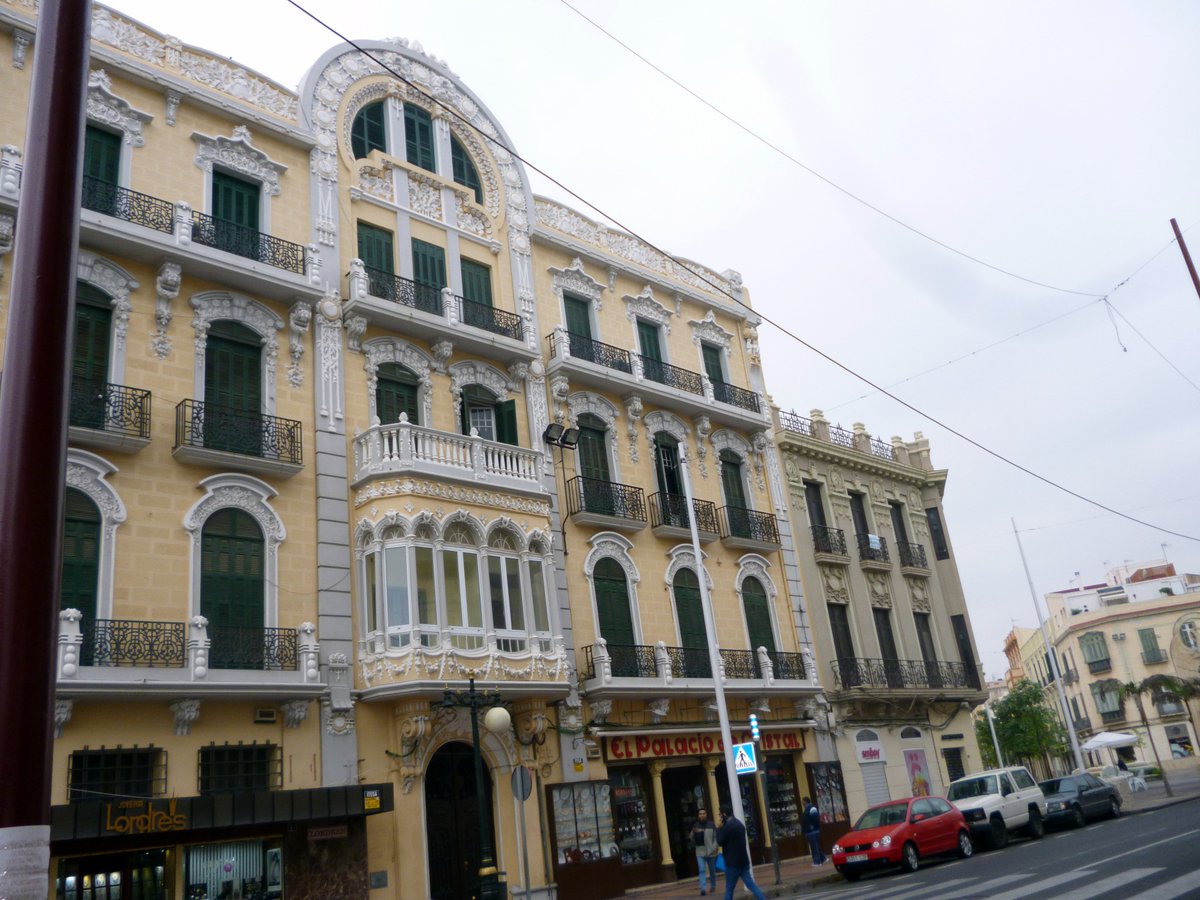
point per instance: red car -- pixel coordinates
(899, 833)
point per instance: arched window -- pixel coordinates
(81, 554)
(692, 633)
(369, 130)
(231, 588)
(758, 615)
(232, 414)
(460, 575)
(464, 170)
(908, 733)
(395, 393)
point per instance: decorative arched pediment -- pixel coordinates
(574, 280)
(382, 350)
(238, 155)
(88, 473)
(665, 422)
(710, 332)
(644, 306)
(107, 108)
(503, 534)
(471, 371)
(724, 439)
(751, 565)
(118, 284)
(585, 402)
(614, 546)
(472, 523)
(212, 306)
(681, 556)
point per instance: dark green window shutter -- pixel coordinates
(692, 633)
(648, 340)
(235, 200)
(101, 155)
(477, 282)
(395, 393)
(578, 318)
(758, 616)
(731, 480)
(233, 389)
(375, 248)
(612, 603)
(429, 264)
(464, 170)
(712, 362)
(80, 554)
(369, 131)
(593, 455)
(93, 329)
(418, 136)
(506, 423)
(231, 585)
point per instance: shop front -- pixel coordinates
(266, 845)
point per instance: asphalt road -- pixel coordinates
(1148, 856)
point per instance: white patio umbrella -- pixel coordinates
(1110, 740)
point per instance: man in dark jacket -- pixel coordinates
(732, 838)
(811, 825)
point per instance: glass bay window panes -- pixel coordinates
(537, 590)
(398, 609)
(426, 595)
(369, 595)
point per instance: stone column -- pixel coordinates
(760, 792)
(667, 866)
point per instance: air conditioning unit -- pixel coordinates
(266, 715)
(1118, 636)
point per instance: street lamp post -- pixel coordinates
(496, 720)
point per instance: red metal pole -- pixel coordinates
(33, 432)
(1187, 257)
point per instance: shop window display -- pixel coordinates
(583, 822)
(631, 820)
(781, 797)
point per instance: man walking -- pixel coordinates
(732, 838)
(704, 839)
(811, 825)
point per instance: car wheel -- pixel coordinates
(965, 846)
(998, 838)
(1114, 807)
(908, 858)
(1077, 818)
(1036, 827)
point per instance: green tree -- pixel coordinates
(1026, 726)
(1155, 684)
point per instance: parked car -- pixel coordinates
(999, 801)
(900, 833)
(1073, 799)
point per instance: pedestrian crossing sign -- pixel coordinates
(744, 762)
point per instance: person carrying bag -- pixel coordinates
(704, 839)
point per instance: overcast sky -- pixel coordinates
(1052, 140)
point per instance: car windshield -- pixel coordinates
(892, 814)
(973, 787)
(1057, 785)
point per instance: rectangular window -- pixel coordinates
(940, 549)
(427, 615)
(375, 248)
(648, 340)
(898, 517)
(464, 610)
(962, 637)
(483, 420)
(1107, 699)
(1095, 652)
(858, 512)
(429, 265)
(418, 137)
(229, 768)
(397, 607)
(712, 363)
(477, 282)
(1151, 652)
(537, 588)
(235, 201)
(370, 611)
(119, 774)
(816, 507)
(508, 611)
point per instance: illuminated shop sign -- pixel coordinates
(144, 817)
(645, 746)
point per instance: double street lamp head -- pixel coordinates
(567, 438)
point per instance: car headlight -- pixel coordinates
(837, 848)
(885, 841)
(1056, 805)
(975, 815)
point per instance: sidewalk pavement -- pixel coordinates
(798, 874)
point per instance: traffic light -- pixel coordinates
(753, 727)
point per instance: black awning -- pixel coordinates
(164, 817)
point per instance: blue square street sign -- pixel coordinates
(744, 762)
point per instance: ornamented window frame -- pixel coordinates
(106, 108)
(237, 155)
(617, 547)
(576, 281)
(681, 556)
(707, 331)
(588, 403)
(754, 565)
(644, 306)
(114, 281)
(381, 350)
(88, 473)
(472, 371)
(253, 496)
(725, 440)
(214, 306)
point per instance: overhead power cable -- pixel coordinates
(721, 290)
(766, 142)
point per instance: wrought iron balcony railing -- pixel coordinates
(405, 291)
(129, 206)
(841, 437)
(606, 498)
(724, 392)
(788, 666)
(263, 649)
(748, 523)
(748, 664)
(851, 672)
(1151, 657)
(1096, 666)
(671, 510)
(689, 662)
(1070, 676)
(214, 427)
(882, 449)
(1083, 723)
(790, 421)
(912, 555)
(625, 660)
(583, 347)
(1112, 716)
(873, 547)
(487, 317)
(829, 540)
(126, 642)
(248, 243)
(741, 664)
(672, 376)
(111, 407)
(650, 661)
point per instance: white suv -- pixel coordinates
(998, 801)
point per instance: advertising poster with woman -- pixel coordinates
(918, 772)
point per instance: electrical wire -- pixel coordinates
(719, 289)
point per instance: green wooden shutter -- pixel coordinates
(712, 363)
(578, 318)
(369, 131)
(235, 200)
(80, 554)
(692, 633)
(612, 603)
(101, 155)
(90, 356)
(648, 340)
(506, 423)
(418, 136)
(429, 264)
(758, 616)
(395, 393)
(731, 480)
(232, 389)
(593, 455)
(375, 248)
(477, 282)
(464, 170)
(231, 584)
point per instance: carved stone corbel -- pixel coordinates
(62, 715)
(659, 708)
(166, 286)
(186, 712)
(633, 415)
(294, 712)
(298, 322)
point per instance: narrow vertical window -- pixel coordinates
(418, 137)
(464, 170)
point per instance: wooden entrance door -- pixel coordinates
(452, 822)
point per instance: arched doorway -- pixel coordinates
(452, 822)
